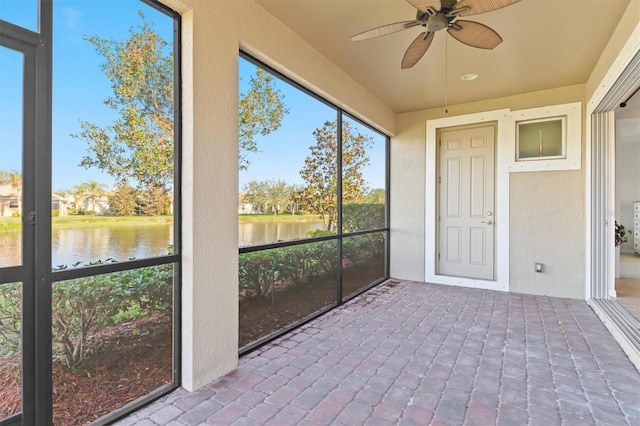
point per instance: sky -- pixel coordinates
(79, 87)
(282, 153)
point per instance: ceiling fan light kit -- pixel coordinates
(436, 15)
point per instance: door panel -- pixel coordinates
(454, 177)
(466, 203)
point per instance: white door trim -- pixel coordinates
(599, 263)
(500, 117)
(600, 202)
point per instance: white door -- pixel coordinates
(466, 221)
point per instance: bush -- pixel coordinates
(84, 306)
(10, 319)
(361, 248)
(358, 217)
(295, 265)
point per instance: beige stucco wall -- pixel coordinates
(547, 225)
(213, 32)
(562, 209)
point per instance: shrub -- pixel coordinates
(295, 265)
(362, 247)
(83, 307)
(357, 217)
(10, 318)
(256, 272)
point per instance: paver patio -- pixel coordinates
(411, 353)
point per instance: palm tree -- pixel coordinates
(13, 179)
(91, 190)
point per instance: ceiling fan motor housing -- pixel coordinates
(437, 22)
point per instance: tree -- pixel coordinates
(14, 180)
(122, 200)
(374, 196)
(154, 201)
(272, 195)
(139, 144)
(90, 190)
(320, 172)
(260, 112)
(79, 193)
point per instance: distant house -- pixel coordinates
(99, 206)
(247, 208)
(61, 204)
(9, 203)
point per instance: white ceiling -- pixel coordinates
(547, 44)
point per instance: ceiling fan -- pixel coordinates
(436, 15)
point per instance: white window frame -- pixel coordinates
(572, 145)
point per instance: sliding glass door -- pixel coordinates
(89, 255)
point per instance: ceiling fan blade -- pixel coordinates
(417, 49)
(423, 5)
(384, 30)
(474, 34)
(477, 7)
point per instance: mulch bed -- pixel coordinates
(127, 366)
(260, 317)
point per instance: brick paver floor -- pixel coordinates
(411, 353)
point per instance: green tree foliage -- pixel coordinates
(260, 112)
(154, 201)
(272, 196)
(374, 196)
(320, 171)
(122, 200)
(138, 145)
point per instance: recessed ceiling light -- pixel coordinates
(468, 77)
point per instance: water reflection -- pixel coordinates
(70, 246)
(84, 245)
(264, 233)
(10, 249)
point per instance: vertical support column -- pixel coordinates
(42, 175)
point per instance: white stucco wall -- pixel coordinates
(213, 32)
(408, 170)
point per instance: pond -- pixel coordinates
(73, 245)
(251, 234)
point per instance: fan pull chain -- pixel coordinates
(446, 76)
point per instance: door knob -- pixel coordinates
(488, 222)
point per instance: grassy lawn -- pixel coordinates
(8, 224)
(13, 223)
(271, 218)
